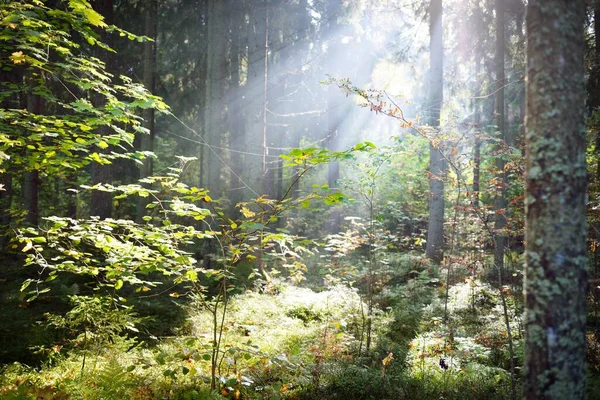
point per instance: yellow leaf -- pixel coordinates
(247, 213)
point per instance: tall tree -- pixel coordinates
(31, 178)
(236, 122)
(437, 165)
(216, 74)
(147, 140)
(101, 201)
(256, 95)
(555, 224)
(500, 222)
(593, 102)
(334, 98)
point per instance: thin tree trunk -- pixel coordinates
(267, 181)
(556, 179)
(7, 174)
(334, 100)
(71, 185)
(437, 165)
(236, 120)
(101, 202)
(147, 140)
(255, 94)
(500, 221)
(478, 108)
(6, 193)
(31, 179)
(216, 74)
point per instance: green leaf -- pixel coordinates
(93, 17)
(191, 275)
(25, 285)
(119, 284)
(28, 246)
(96, 157)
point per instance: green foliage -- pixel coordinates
(44, 46)
(95, 322)
(305, 314)
(358, 382)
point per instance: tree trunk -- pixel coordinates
(214, 122)
(437, 164)
(278, 102)
(7, 174)
(255, 92)
(6, 193)
(555, 203)
(477, 122)
(31, 179)
(147, 140)
(334, 97)
(500, 220)
(101, 202)
(235, 118)
(593, 98)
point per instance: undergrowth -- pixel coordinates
(289, 342)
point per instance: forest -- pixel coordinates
(299, 199)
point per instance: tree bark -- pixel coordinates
(479, 58)
(5, 205)
(101, 202)
(500, 221)
(214, 122)
(255, 92)
(334, 98)
(437, 164)
(31, 178)
(278, 103)
(593, 98)
(236, 123)
(147, 140)
(555, 202)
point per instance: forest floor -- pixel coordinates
(293, 342)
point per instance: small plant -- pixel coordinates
(95, 323)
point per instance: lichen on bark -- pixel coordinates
(555, 208)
